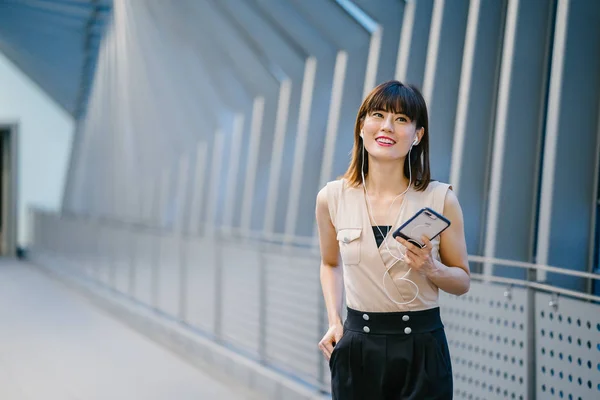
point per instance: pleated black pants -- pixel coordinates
(391, 356)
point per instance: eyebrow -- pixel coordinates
(381, 109)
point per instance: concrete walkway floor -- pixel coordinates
(55, 345)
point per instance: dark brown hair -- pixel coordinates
(393, 96)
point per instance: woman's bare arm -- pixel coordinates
(331, 277)
(453, 274)
(331, 274)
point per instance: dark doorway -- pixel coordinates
(8, 189)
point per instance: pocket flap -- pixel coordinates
(348, 235)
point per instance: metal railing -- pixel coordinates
(261, 295)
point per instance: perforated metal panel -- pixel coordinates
(487, 334)
(567, 349)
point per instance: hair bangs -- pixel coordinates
(395, 98)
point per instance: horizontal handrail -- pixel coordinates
(535, 285)
(527, 265)
(307, 243)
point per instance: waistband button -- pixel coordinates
(366, 329)
(366, 317)
(407, 330)
(405, 318)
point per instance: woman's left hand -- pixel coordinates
(419, 259)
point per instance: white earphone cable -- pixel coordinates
(402, 256)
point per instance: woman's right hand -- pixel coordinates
(333, 336)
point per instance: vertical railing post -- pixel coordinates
(132, 228)
(211, 233)
(262, 304)
(218, 314)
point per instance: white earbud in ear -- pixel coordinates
(415, 142)
(362, 134)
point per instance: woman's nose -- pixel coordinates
(387, 124)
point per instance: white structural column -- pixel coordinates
(442, 80)
(473, 131)
(331, 134)
(551, 139)
(213, 193)
(404, 43)
(300, 148)
(281, 124)
(337, 91)
(510, 36)
(433, 48)
(235, 148)
(197, 200)
(414, 42)
(373, 60)
(179, 216)
(252, 162)
(165, 199)
(566, 231)
(518, 134)
(464, 91)
(351, 29)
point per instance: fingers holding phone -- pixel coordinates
(419, 258)
(416, 235)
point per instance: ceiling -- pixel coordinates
(55, 42)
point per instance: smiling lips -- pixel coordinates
(385, 141)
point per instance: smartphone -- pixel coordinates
(425, 222)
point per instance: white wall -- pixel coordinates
(45, 136)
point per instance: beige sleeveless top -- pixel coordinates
(364, 264)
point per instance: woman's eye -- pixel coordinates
(377, 114)
(401, 119)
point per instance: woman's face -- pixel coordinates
(388, 136)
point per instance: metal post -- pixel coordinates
(113, 258)
(212, 233)
(179, 232)
(322, 328)
(262, 305)
(531, 330)
(157, 215)
(133, 204)
(216, 237)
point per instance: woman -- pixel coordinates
(392, 344)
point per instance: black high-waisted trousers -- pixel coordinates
(389, 356)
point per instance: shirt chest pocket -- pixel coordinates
(349, 240)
